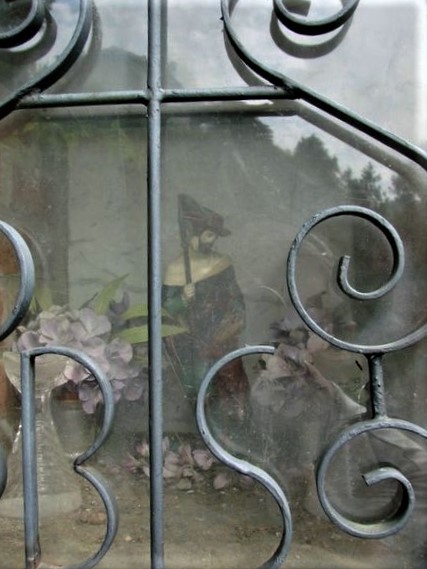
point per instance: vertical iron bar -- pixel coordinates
(29, 462)
(377, 386)
(164, 43)
(154, 284)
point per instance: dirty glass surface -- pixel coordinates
(238, 181)
(265, 175)
(111, 60)
(374, 66)
(115, 57)
(74, 186)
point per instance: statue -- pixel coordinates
(200, 292)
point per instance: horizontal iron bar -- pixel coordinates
(274, 105)
(224, 94)
(142, 97)
(34, 101)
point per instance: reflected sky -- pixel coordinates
(377, 70)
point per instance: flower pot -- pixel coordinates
(57, 485)
(76, 429)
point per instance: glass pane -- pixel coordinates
(110, 59)
(375, 66)
(255, 178)
(74, 186)
(238, 182)
(115, 57)
(22, 62)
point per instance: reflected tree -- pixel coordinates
(368, 188)
(311, 153)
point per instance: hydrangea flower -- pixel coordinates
(92, 334)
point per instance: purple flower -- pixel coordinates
(28, 340)
(55, 330)
(89, 396)
(133, 389)
(75, 372)
(92, 334)
(119, 355)
(203, 458)
(90, 324)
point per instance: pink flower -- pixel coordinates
(88, 332)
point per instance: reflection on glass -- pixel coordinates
(376, 68)
(266, 174)
(87, 238)
(73, 182)
(58, 489)
(112, 59)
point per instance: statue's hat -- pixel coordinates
(200, 217)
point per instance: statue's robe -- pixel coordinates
(214, 318)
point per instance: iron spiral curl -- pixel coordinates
(374, 353)
(26, 281)
(20, 308)
(242, 466)
(400, 516)
(314, 27)
(26, 29)
(397, 248)
(29, 449)
(61, 65)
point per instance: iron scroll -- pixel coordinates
(27, 29)
(242, 466)
(396, 246)
(295, 90)
(61, 65)
(31, 516)
(21, 305)
(314, 27)
(374, 354)
(280, 87)
(380, 420)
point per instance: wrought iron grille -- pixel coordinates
(156, 98)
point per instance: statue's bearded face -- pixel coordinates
(207, 240)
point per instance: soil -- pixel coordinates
(204, 528)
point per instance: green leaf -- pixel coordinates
(136, 335)
(42, 299)
(172, 330)
(139, 334)
(106, 295)
(140, 311)
(136, 311)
